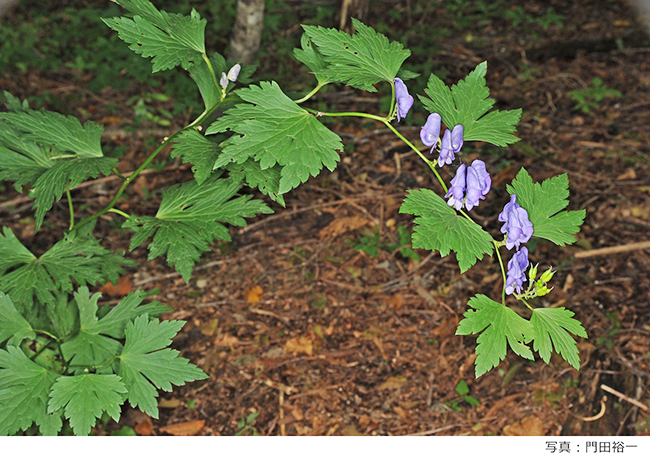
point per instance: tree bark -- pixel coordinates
(352, 9)
(6, 6)
(247, 32)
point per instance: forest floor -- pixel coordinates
(316, 320)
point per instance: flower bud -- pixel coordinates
(532, 273)
(223, 82)
(547, 275)
(543, 291)
(233, 73)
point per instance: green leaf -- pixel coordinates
(51, 152)
(170, 39)
(147, 365)
(544, 203)
(272, 130)
(14, 103)
(95, 342)
(189, 218)
(54, 130)
(551, 328)
(25, 277)
(360, 60)
(439, 227)
(199, 151)
(24, 390)
(85, 398)
(309, 55)
(200, 73)
(251, 173)
(14, 328)
(499, 327)
(467, 103)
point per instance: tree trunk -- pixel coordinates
(352, 9)
(6, 6)
(247, 32)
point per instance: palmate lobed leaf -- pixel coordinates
(499, 327)
(468, 103)
(361, 60)
(439, 227)
(273, 130)
(551, 329)
(544, 203)
(189, 218)
(57, 131)
(170, 39)
(146, 365)
(50, 152)
(77, 258)
(14, 328)
(96, 339)
(84, 398)
(24, 393)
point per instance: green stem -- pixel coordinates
(503, 271)
(391, 112)
(70, 207)
(310, 94)
(527, 304)
(348, 113)
(211, 69)
(120, 212)
(45, 333)
(144, 165)
(431, 164)
(119, 175)
(126, 183)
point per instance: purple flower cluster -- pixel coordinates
(517, 225)
(469, 186)
(404, 99)
(516, 271)
(519, 230)
(451, 142)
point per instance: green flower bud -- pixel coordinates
(547, 275)
(532, 273)
(543, 291)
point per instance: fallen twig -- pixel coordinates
(624, 397)
(613, 249)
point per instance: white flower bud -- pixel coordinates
(233, 73)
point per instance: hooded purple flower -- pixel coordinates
(517, 224)
(478, 184)
(456, 192)
(469, 186)
(404, 99)
(430, 132)
(452, 142)
(516, 271)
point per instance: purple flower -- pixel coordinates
(478, 184)
(457, 138)
(452, 142)
(469, 186)
(456, 192)
(516, 271)
(517, 225)
(404, 99)
(430, 132)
